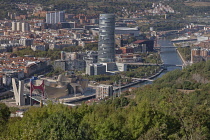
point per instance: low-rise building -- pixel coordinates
(67, 65)
(59, 46)
(60, 64)
(8, 74)
(128, 58)
(38, 47)
(199, 54)
(91, 57)
(143, 46)
(127, 49)
(26, 41)
(104, 91)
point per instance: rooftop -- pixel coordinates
(139, 41)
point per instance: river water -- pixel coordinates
(168, 56)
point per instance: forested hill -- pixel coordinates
(190, 78)
(182, 8)
(163, 110)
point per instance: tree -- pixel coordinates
(4, 114)
(4, 117)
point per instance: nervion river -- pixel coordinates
(168, 56)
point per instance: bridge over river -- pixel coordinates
(162, 47)
(66, 101)
(165, 47)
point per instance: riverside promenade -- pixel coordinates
(185, 63)
(139, 80)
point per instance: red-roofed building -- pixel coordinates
(139, 41)
(126, 50)
(20, 67)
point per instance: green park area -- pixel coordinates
(185, 52)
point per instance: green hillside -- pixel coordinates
(166, 109)
(181, 7)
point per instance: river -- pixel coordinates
(168, 56)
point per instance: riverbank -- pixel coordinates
(71, 101)
(184, 62)
(168, 56)
(139, 81)
(82, 98)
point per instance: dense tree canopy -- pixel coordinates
(157, 111)
(185, 52)
(53, 54)
(4, 115)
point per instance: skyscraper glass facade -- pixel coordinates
(106, 44)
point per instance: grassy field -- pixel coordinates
(197, 4)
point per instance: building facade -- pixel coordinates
(55, 17)
(25, 27)
(106, 44)
(60, 64)
(20, 26)
(199, 54)
(95, 69)
(104, 91)
(38, 47)
(143, 46)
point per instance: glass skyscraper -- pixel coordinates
(106, 44)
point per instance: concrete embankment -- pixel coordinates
(184, 62)
(139, 81)
(155, 75)
(70, 101)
